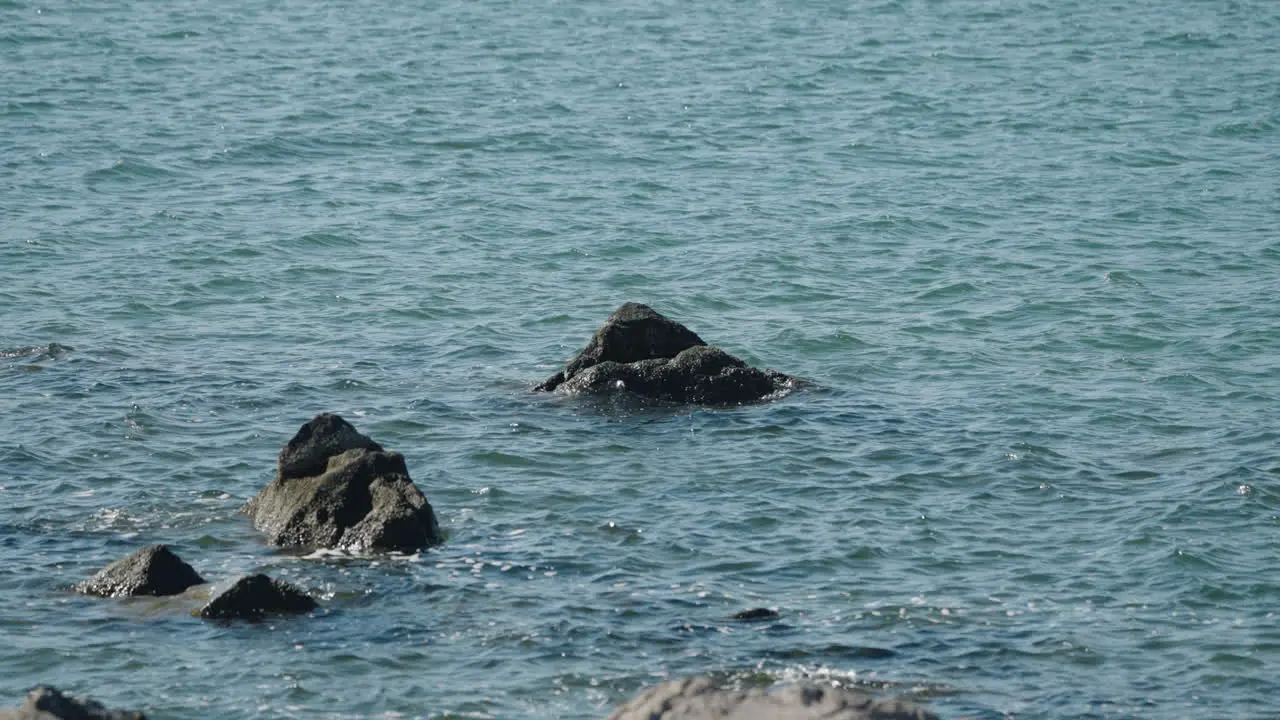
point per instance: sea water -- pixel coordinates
(1023, 253)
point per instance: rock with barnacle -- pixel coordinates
(640, 351)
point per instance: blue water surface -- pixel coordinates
(1024, 253)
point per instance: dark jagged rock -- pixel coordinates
(640, 351)
(633, 332)
(47, 703)
(360, 498)
(253, 597)
(699, 699)
(755, 615)
(701, 375)
(326, 435)
(153, 570)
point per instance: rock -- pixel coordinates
(640, 351)
(336, 488)
(633, 332)
(153, 570)
(699, 699)
(755, 615)
(701, 375)
(253, 597)
(47, 703)
(309, 451)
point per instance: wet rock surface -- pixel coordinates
(699, 699)
(326, 435)
(47, 703)
(336, 488)
(254, 597)
(152, 570)
(640, 351)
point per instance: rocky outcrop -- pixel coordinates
(699, 699)
(47, 703)
(336, 488)
(153, 570)
(254, 597)
(643, 352)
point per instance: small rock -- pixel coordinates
(645, 353)
(48, 703)
(360, 498)
(153, 570)
(253, 597)
(699, 699)
(755, 615)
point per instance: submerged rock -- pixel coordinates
(336, 488)
(699, 699)
(153, 570)
(48, 703)
(755, 615)
(638, 350)
(253, 597)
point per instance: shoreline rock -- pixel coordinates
(641, 351)
(698, 698)
(336, 488)
(49, 703)
(253, 597)
(153, 570)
